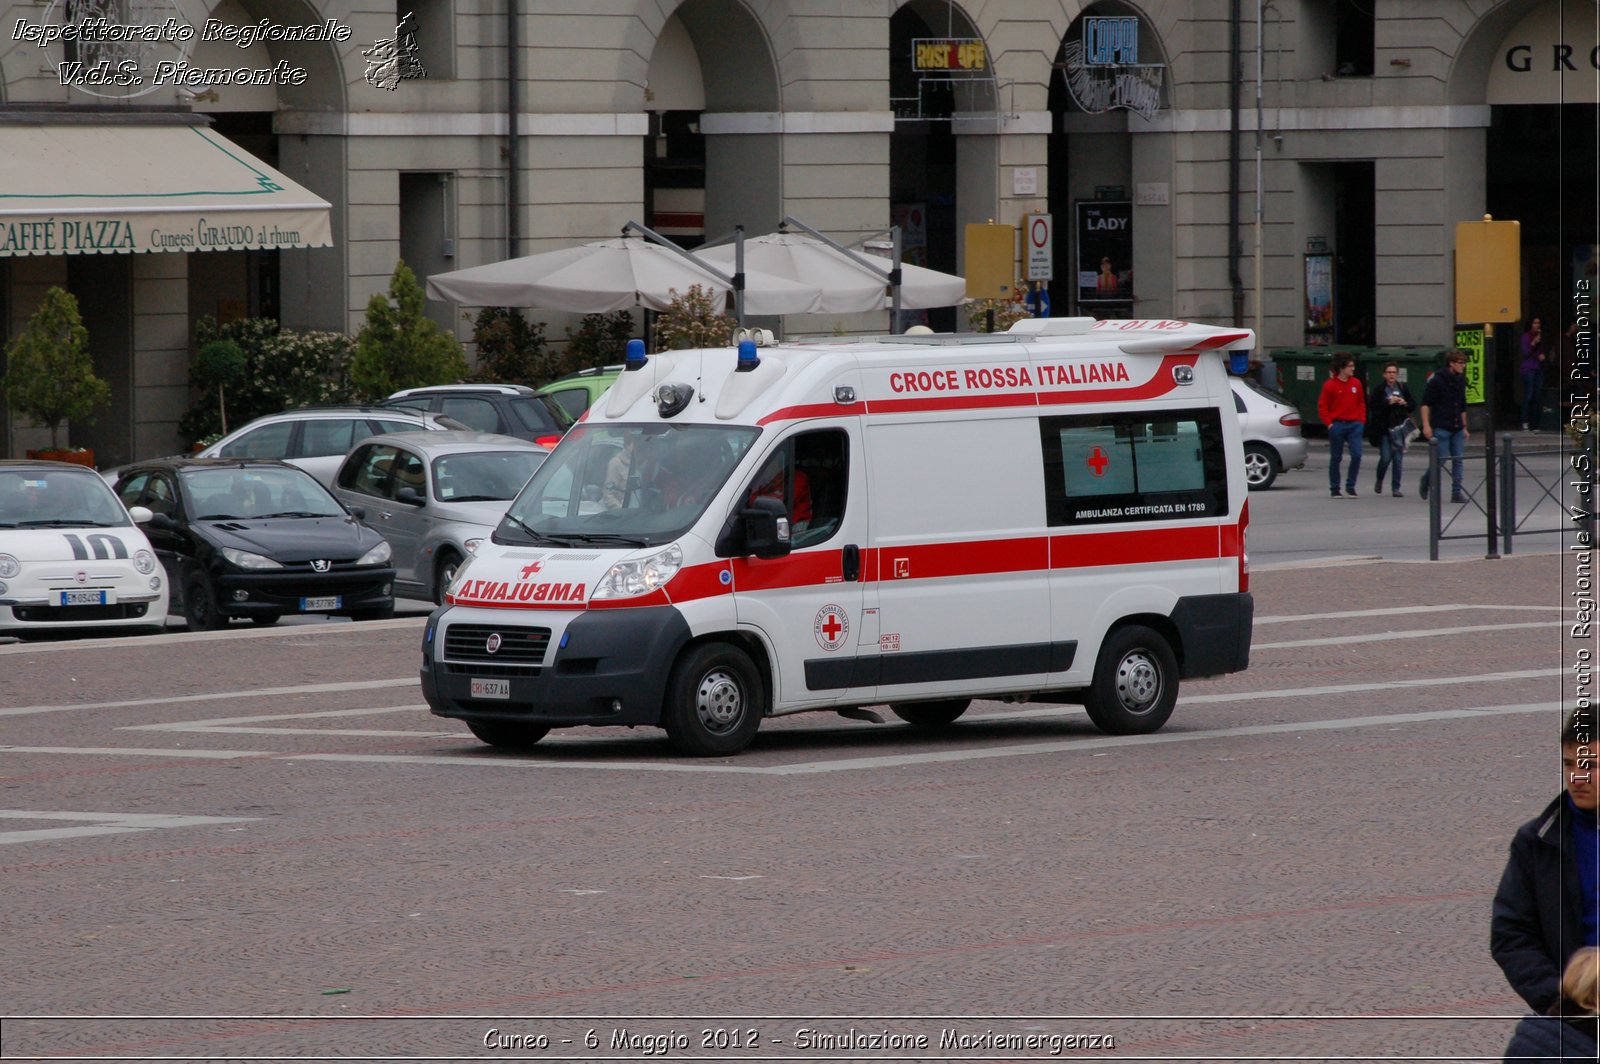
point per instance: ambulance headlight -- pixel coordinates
(641, 576)
(144, 561)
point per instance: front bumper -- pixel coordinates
(599, 667)
(35, 604)
(272, 592)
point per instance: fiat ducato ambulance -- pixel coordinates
(1054, 514)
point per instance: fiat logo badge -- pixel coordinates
(321, 565)
(83, 578)
(492, 644)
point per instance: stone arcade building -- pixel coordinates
(475, 131)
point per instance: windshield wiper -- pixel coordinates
(298, 513)
(572, 539)
(475, 498)
(520, 523)
(61, 522)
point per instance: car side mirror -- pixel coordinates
(358, 512)
(409, 496)
(761, 529)
(141, 514)
(159, 521)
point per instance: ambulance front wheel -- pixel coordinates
(932, 714)
(713, 704)
(1135, 683)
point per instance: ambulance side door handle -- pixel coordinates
(852, 562)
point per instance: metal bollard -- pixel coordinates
(1508, 492)
(1435, 467)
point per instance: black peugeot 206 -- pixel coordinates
(258, 539)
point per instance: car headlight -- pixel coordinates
(377, 555)
(245, 560)
(9, 566)
(144, 561)
(472, 544)
(627, 579)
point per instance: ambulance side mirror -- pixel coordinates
(761, 529)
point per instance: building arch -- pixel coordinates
(712, 154)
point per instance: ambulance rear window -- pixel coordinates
(1134, 467)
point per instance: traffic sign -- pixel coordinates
(1039, 235)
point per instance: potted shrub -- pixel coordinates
(50, 376)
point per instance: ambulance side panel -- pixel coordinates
(961, 553)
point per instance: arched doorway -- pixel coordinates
(942, 88)
(711, 158)
(1109, 69)
(1540, 155)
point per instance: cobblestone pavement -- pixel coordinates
(268, 824)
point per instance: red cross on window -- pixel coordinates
(831, 627)
(1097, 462)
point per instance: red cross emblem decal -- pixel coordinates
(831, 626)
(529, 569)
(1097, 462)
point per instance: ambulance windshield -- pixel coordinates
(632, 485)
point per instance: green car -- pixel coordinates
(576, 392)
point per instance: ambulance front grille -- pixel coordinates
(515, 646)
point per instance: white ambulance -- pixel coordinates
(1054, 514)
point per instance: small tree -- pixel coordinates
(220, 363)
(400, 346)
(50, 376)
(599, 340)
(511, 349)
(283, 369)
(693, 319)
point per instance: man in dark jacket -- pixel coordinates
(1548, 904)
(1444, 419)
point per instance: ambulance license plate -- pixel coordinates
(328, 602)
(491, 688)
(83, 598)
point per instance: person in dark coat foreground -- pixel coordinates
(1568, 1031)
(1548, 904)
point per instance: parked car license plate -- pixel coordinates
(491, 688)
(83, 598)
(327, 602)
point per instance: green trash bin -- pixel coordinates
(1301, 372)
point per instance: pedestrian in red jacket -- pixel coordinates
(1343, 406)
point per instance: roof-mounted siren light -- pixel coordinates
(748, 359)
(635, 357)
(1239, 361)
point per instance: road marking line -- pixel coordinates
(104, 824)
(242, 725)
(303, 689)
(469, 758)
(1391, 611)
(1419, 633)
(221, 723)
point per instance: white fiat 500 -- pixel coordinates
(71, 557)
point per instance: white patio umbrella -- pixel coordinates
(848, 286)
(616, 274)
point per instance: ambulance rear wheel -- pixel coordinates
(932, 714)
(713, 703)
(507, 734)
(1135, 683)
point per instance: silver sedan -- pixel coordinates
(434, 496)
